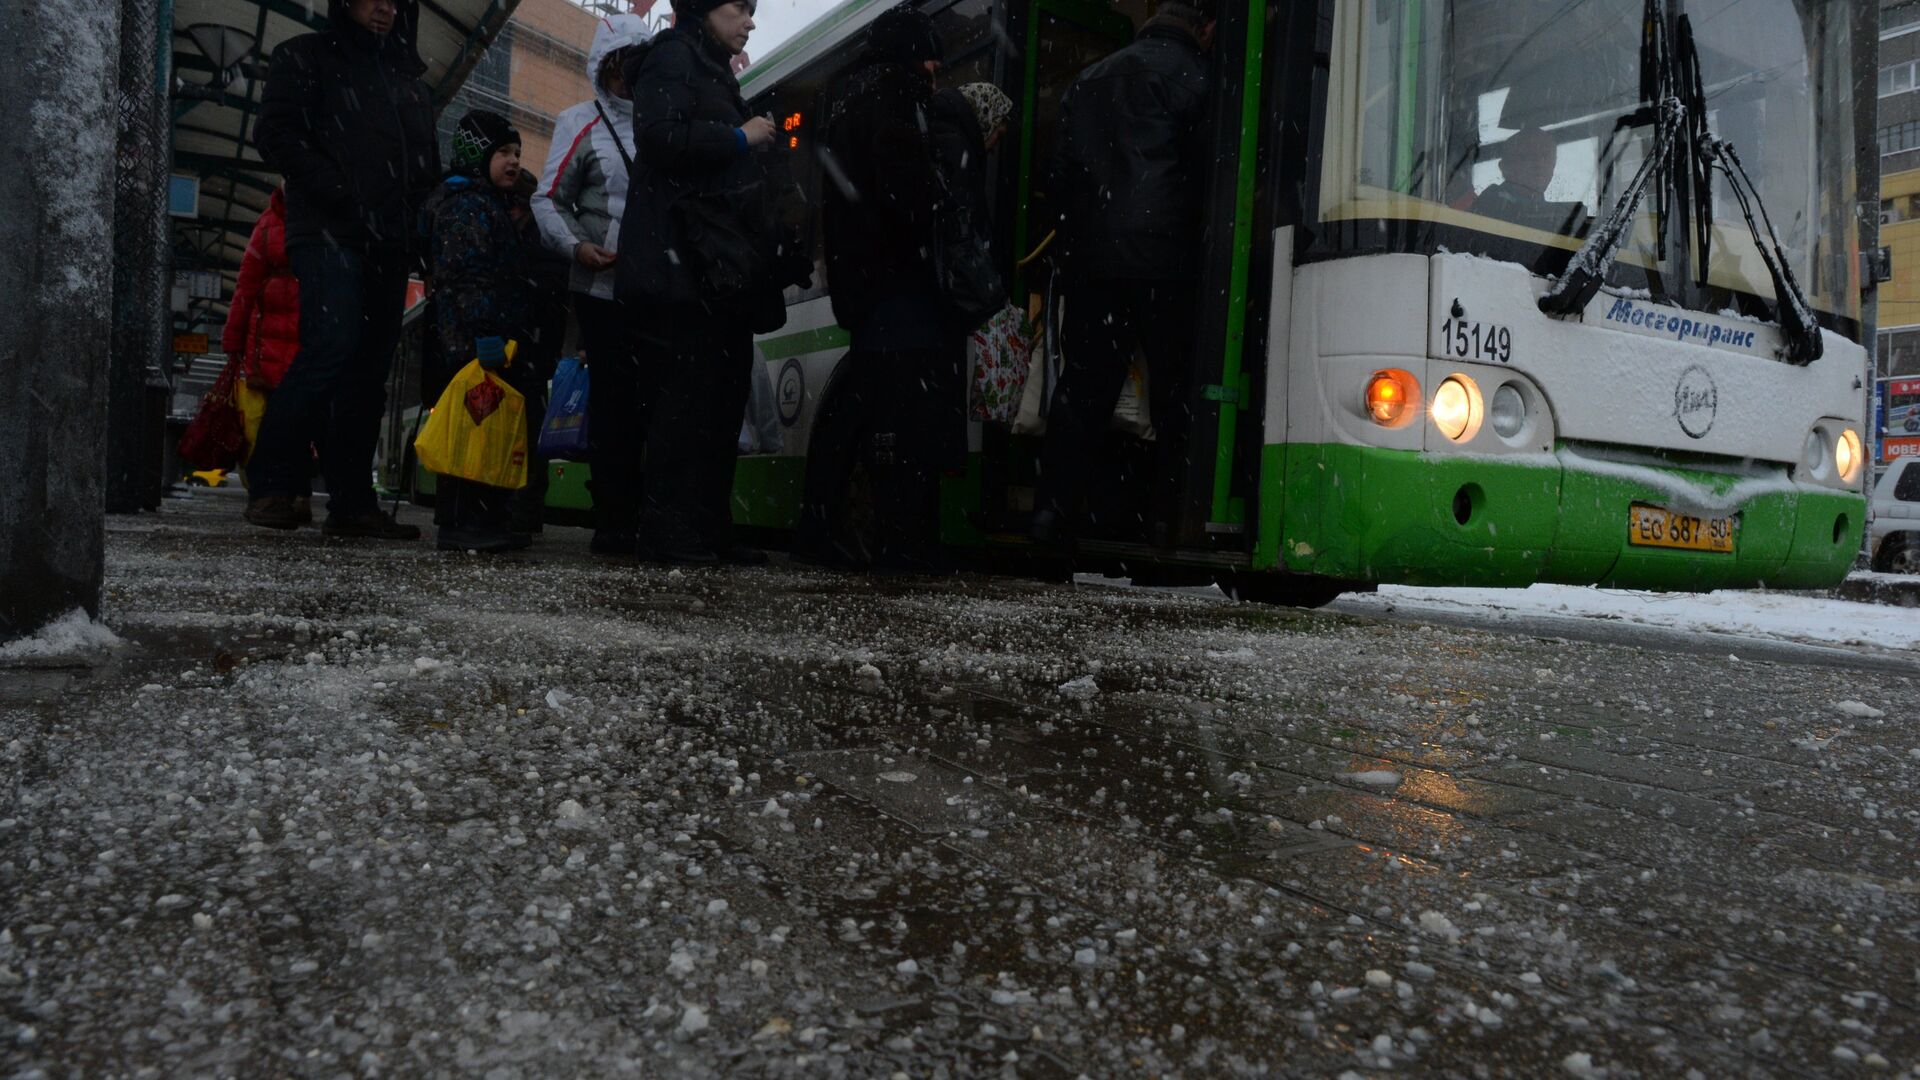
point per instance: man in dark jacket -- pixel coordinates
(882, 216)
(346, 119)
(1129, 177)
(701, 264)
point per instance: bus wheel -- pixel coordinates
(1286, 590)
(1898, 554)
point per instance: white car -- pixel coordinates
(1894, 535)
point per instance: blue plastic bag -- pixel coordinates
(563, 434)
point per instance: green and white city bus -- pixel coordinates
(1402, 379)
(1401, 374)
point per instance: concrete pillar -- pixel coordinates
(56, 233)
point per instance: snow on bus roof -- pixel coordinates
(828, 31)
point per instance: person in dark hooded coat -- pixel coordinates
(1129, 176)
(704, 253)
(347, 121)
(882, 222)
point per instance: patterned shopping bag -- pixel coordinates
(1001, 352)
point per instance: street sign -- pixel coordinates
(1897, 418)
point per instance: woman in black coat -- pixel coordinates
(702, 262)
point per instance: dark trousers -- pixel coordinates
(336, 388)
(702, 374)
(619, 403)
(1105, 322)
(912, 408)
(530, 502)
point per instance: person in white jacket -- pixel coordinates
(582, 194)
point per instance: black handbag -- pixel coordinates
(963, 265)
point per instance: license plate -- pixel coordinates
(1654, 526)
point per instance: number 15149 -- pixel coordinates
(1476, 341)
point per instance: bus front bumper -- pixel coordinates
(1371, 514)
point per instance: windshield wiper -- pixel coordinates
(1587, 270)
(1681, 121)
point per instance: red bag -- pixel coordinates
(218, 434)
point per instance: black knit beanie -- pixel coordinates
(903, 35)
(689, 14)
(477, 136)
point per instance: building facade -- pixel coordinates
(534, 70)
(1897, 339)
(1899, 137)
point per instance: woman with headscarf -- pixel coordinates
(966, 124)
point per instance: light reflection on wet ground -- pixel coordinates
(861, 827)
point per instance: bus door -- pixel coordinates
(1062, 39)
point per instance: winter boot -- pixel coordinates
(369, 524)
(273, 512)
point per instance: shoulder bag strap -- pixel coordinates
(625, 158)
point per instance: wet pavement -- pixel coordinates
(357, 809)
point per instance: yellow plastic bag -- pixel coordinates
(477, 431)
(253, 406)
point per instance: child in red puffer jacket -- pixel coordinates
(263, 323)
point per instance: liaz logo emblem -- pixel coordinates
(790, 392)
(1695, 401)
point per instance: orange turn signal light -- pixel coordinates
(1389, 394)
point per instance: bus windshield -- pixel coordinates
(1507, 127)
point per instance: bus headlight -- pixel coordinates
(1456, 407)
(1848, 455)
(1389, 393)
(1813, 456)
(1509, 411)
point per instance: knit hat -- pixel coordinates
(477, 136)
(904, 35)
(691, 13)
(991, 106)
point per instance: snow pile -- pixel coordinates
(1765, 616)
(71, 634)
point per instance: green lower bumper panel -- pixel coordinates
(1432, 519)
